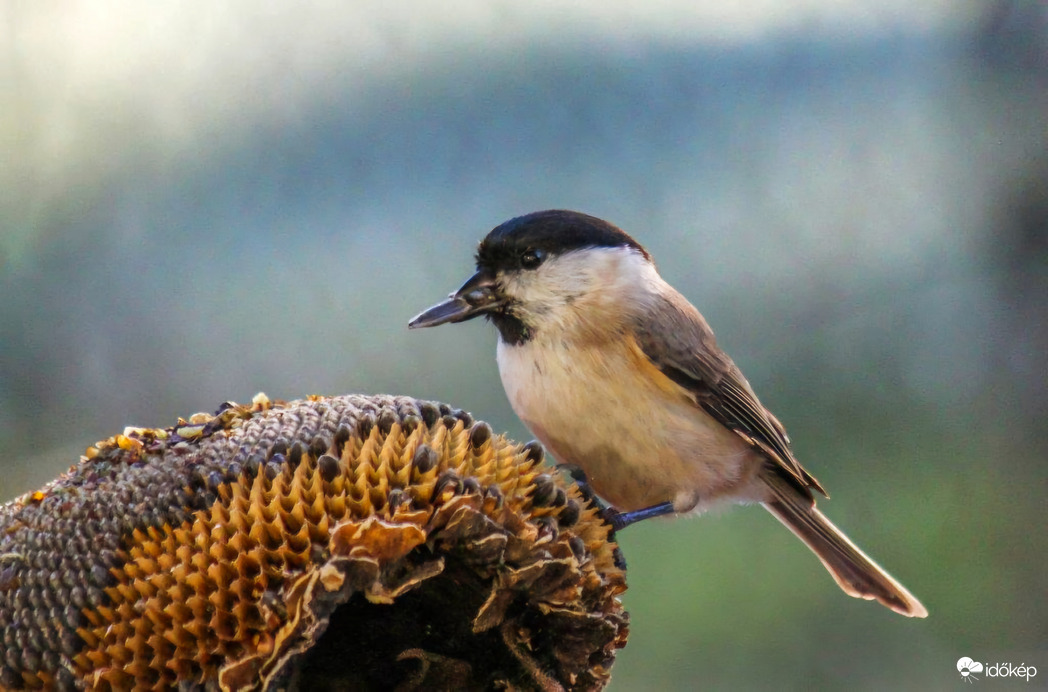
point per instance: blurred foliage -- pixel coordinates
(193, 215)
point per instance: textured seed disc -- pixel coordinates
(362, 542)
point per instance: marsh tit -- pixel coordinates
(616, 373)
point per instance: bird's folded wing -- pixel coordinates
(677, 340)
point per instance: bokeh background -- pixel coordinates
(200, 201)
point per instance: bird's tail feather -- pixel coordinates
(853, 571)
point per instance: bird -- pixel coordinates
(620, 377)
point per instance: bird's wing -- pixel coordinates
(677, 340)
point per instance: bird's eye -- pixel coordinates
(532, 258)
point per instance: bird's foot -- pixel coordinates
(606, 511)
(582, 481)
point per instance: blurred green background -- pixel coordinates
(201, 201)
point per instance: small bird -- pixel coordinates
(618, 375)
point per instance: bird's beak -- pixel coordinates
(477, 296)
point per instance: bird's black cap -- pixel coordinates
(554, 232)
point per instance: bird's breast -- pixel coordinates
(604, 407)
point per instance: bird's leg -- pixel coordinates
(618, 520)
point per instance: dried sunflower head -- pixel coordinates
(355, 542)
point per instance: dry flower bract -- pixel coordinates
(354, 542)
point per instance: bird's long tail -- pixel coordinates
(853, 571)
